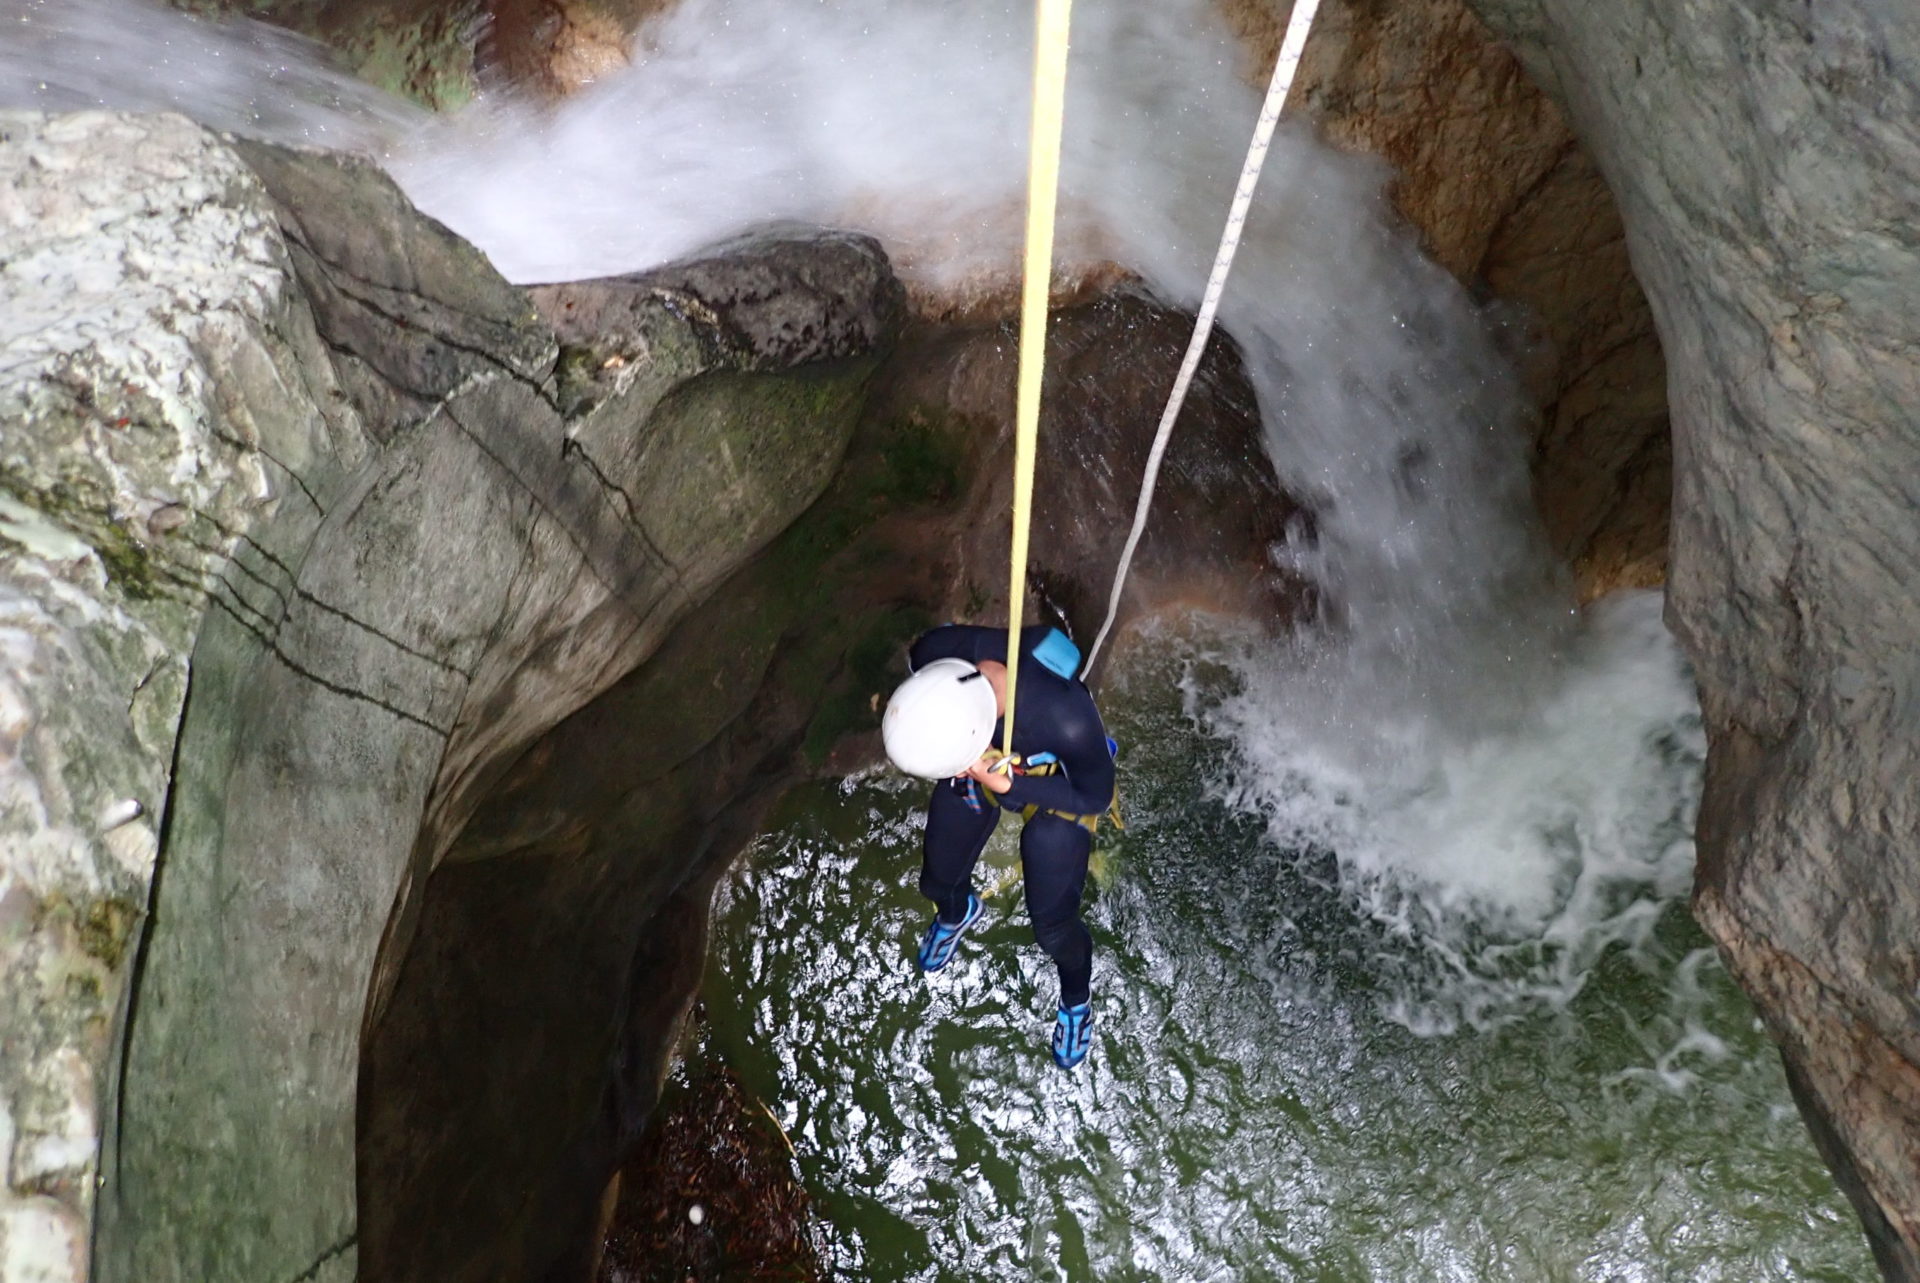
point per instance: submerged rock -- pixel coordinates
(711, 1191)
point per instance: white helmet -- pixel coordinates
(940, 720)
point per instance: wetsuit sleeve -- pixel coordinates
(958, 641)
(1084, 784)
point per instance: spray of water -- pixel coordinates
(1498, 864)
(241, 76)
(1488, 769)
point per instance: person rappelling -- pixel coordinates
(946, 723)
(963, 718)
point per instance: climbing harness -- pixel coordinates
(1056, 653)
(1284, 69)
(1041, 764)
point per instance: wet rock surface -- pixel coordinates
(766, 300)
(430, 53)
(439, 52)
(558, 46)
(1218, 510)
(1766, 159)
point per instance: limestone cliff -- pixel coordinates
(300, 548)
(163, 392)
(1766, 157)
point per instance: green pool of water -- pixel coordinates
(1256, 1105)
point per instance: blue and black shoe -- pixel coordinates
(1072, 1035)
(942, 939)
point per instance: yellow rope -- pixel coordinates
(1043, 184)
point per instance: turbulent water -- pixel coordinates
(1256, 1106)
(1386, 404)
(1398, 981)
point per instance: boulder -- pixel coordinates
(1766, 159)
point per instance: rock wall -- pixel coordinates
(1217, 508)
(439, 52)
(429, 52)
(301, 551)
(1766, 157)
(160, 378)
(443, 640)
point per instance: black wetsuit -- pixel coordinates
(1055, 715)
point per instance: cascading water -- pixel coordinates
(1488, 788)
(241, 76)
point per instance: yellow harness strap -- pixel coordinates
(1043, 189)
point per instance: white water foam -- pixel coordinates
(1485, 766)
(1500, 862)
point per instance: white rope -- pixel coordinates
(1284, 69)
